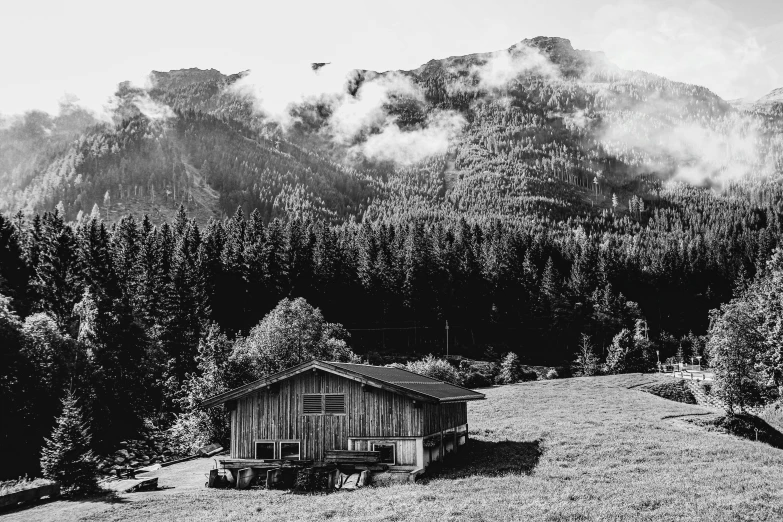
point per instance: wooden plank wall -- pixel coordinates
(451, 414)
(406, 449)
(277, 416)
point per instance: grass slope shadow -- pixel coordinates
(488, 458)
(746, 426)
(103, 496)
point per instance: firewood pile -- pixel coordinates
(153, 449)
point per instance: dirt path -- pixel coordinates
(171, 481)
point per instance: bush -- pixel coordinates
(552, 374)
(510, 369)
(476, 379)
(676, 391)
(773, 414)
(587, 362)
(66, 456)
(528, 375)
(477, 374)
(21, 484)
(435, 368)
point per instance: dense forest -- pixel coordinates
(574, 199)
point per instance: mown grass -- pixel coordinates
(22, 483)
(569, 449)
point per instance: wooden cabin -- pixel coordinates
(300, 413)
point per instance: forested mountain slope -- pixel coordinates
(499, 181)
(540, 128)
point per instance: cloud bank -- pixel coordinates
(411, 146)
(695, 42)
(504, 66)
(359, 108)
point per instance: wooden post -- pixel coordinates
(440, 423)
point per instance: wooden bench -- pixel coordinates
(353, 457)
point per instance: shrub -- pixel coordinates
(21, 484)
(510, 369)
(676, 391)
(66, 456)
(773, 414)
(475, 379)
(528, 375)
(564, 372)
(619, 350)
(435, 368)
(552, 374)
(586, 362)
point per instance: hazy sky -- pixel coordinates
(48, 48)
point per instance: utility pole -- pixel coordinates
(447, 339)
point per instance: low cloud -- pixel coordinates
(358, 107)
(276, 89)
(406, 147)
(502, 67)
(130, 100)
(353, 115)
(150, 108)
(701, 155)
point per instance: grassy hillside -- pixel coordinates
(572, 449)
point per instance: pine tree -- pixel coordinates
(151, 275)
(94, 258)
(14, 272)
(56, 271)
(126, 245)
(66, 456)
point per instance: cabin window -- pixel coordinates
(334, 403)
(265, 450)
(387, 450)
(312, 403)
(289, 450)
(323, 404)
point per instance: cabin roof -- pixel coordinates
(397, 380)
(414, 382)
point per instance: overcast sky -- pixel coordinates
(48, 48)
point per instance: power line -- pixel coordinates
(390, 328)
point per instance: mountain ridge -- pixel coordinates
(555, 124)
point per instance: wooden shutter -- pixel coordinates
(334, 403)
(312, 403)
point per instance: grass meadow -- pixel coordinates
(594, 448)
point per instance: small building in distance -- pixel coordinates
(302, 412)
